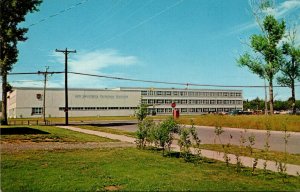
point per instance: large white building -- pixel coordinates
(28, 102)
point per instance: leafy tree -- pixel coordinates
(143, 133)
(142, 112)
(12, 13)
(290, 67)
(163, 133)
(255, 104)
(265, 62)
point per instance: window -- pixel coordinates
(212, 102)
(113, 108)
(36, 111)
(183, 101)
(168, 92)
(183, 110)
(168, 110)
(192, 110)
(198, 110)
(212, 109)
(144, 92)
(205, 109)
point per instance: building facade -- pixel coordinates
(28, 102)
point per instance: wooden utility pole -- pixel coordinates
(66, 52)
(44, 94)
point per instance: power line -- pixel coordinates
(157, 82)
(173, 83)
(36, 73)
(59, 13)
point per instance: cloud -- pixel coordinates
(95, 62)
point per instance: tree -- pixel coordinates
(265, 62)
(163, 133)
(12, 13)
(143, 133)
(142, 112)
(290, 67)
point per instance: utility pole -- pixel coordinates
(66, 52)
(44, 94)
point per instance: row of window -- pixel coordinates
(192, 110)
(39, 110)
(192, 102)
(96, 108)
(191, 93)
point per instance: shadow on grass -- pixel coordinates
(117, 124)
(21, 131)
(189, 158)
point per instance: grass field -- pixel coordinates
(257, 153)
(126, 169)
(275, 122)
(107, 130)
(45, 134)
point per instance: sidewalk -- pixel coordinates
(246, 161)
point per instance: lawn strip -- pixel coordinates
(107, 130)
(257, 153)
(51, 134)
(127, 169)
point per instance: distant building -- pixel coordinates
(28, 102)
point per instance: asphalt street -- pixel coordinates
(232, 135)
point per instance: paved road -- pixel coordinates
(276, 140)
(246, 161)
(207, 135)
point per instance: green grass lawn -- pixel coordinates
(126, 169)
(274, 122)
(292, 122)
(107, 130)
(45, 134)
(71, 119)
(257, 153)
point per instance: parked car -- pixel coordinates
(240, 112)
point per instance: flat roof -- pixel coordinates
(123, 89)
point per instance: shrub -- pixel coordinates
(143, 133)
(141, 112)
(163, 133)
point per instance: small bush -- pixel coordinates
(143, 133)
